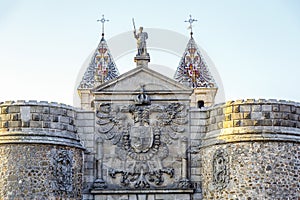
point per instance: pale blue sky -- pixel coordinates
(255, 45)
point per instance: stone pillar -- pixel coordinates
(99, 182)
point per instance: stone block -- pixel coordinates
(5, 117)
(227, 110)
(247, 122)
(212, 120)
(256, 108)
(36, 124)
(14, 124)
(235, 116)
(285, 116)
(164, 197)
(228, 117)
(182, 197)
(64, 119)
(46, 110)
(198, 129)
(55, 118)
(55, 111)
(88, 165)
(151, 197)
(87, 137)
(85, 115)
(133, 197)
(46, 117)
(266, 115)
(247, 115)
(220, 125)
(36, 109)
(266, 107)
(293, 109)
(195, 171)
(220, 111)
(198, 122)
(70, 113)
(276, 115)
(197, 196)
(14, 109)
(197, 136)
(293, 117)
(236, 109)
(219, 118)
(245, 108)
(15, 117)
(275, 108)
(285, 108)
(85, 123)
(227, 124)
(237, 123)
(257, 122)
(89, 144)
(256, 115)
(267, 122)
(55, 125)
(4, 110)
(277, 122)
(36, 117)
(46, 124)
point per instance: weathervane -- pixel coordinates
(191, 22)
(102, 20)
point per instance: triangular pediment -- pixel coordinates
(142, 76)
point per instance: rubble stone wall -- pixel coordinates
(252, 151)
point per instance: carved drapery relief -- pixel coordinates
(220, 169)
(62, 162)
(142, 133)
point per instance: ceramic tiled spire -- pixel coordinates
(102, 67)
(193, 69)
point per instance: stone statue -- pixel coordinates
(141, 38)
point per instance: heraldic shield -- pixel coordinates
(141, 138)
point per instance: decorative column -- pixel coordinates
(99, 183)
(184, 183)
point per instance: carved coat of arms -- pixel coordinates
(141, 133)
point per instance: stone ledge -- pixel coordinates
(253, 102)
(36, 103)
(66, 139)
(142, 191)
(250, 134)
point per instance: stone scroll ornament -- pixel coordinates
(220, 169)
(62, 161)
(141, 133)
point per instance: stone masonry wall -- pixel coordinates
(33, 171)
(41, 156)
(198, 122)
(252, 151)
(256, 170)
(85, 125)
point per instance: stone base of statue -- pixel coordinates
(142, 60)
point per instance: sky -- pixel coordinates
(255, 45)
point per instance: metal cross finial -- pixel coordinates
(191, 22)
(102, 20)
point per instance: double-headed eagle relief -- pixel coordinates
(142, 133)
